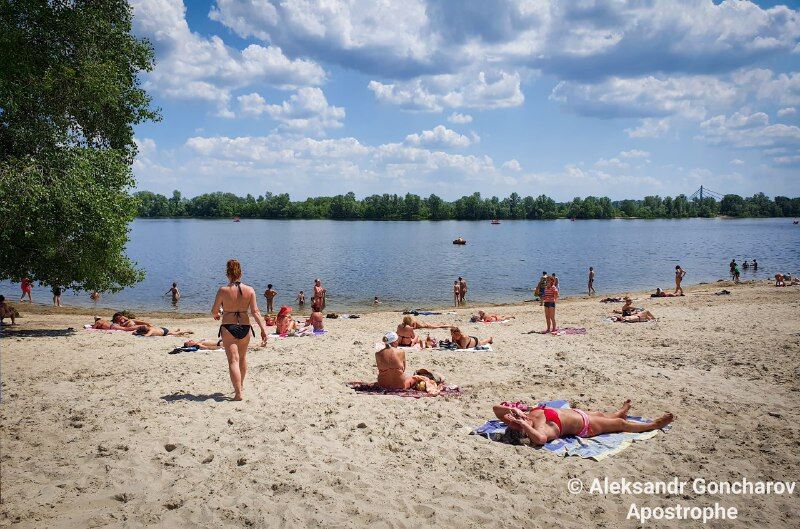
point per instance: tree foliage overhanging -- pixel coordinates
(69, 97)
(472, 207)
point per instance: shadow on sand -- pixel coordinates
(217, 397)
(35, 333)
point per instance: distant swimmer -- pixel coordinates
(376, 301)
(591, 281)
(270, 295)
(238, 301)
(732, 265)
(95, 296)
(301, 298)
(755, 265)
(174, 292)
(542, 424)
(680, 273)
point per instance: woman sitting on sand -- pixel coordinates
(315, 321)
(542, 424)
(488, 318)
(661, 294)
(466, 342)
(636, 317)
(238, 300)
(152, 330)
(284, 322)
(391, 362)
(408, 337)
(628, 308)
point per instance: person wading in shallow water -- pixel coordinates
(237, 300)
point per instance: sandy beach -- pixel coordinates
(104, 430)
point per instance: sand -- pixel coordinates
(109, 430)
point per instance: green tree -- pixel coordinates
(69, 97)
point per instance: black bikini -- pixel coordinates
(237, 330)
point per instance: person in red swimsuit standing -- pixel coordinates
(26, 286)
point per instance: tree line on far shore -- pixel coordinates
(472, 207)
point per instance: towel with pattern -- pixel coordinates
(371, 388)
(597, 448)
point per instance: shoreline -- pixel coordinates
(43, 309)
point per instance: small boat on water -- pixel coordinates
(460, 240)
(495, 221)
(236, 219)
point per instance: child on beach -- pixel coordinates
(456, 293)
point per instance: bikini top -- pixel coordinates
(550, 415)
(239, 312)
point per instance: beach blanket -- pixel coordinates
(597, 448)
(298, 335)
(371, 388)
(422, 313)
(562, 331)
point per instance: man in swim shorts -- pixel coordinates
(591, 281)
(270, 295)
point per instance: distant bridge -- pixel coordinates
(705, 192)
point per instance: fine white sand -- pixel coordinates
(109, 430)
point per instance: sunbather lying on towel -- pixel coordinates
(208, 345)
(391, 363)
(466, 342)
(661, 294)
(127, 323)
(543, 424)
(150, 330)
(488, 318)
(636, 317)
(105, 325)
(610, 300)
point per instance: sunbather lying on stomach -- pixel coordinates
(488, 318)
(150, 330)
(467, 342)
(542, 424)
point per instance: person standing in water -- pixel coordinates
(679, 275)
(456, 293)
(319, 295)
(270, 295)
(755, 265)
(591, 281)
(301, 299)
(237, 300)
(174, 292)
(56, 290)
(462, 284)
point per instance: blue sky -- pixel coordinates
(614, 98)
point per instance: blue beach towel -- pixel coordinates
(597, 448)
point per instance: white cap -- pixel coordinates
(390, 337)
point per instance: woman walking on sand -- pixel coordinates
(236, 300)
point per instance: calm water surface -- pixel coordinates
(414, 264)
